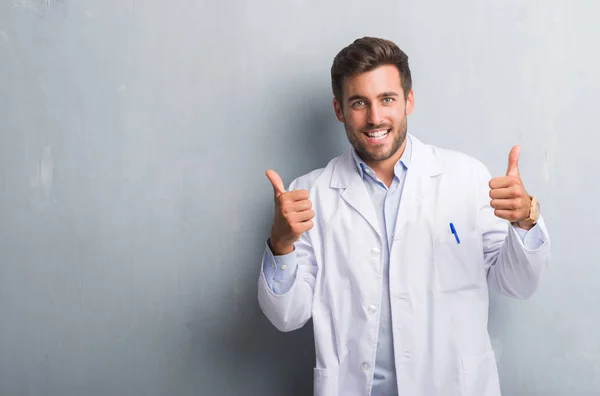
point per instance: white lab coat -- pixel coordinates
(438, 288)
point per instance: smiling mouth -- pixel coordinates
(378, 134)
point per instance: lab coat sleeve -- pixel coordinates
(285, 295)
(514, 260)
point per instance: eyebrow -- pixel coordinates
(381, 95)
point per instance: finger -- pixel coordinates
(503, 193)
(300, 228)
(501, 182)
(296, 206)
(505, 204)
(300, 217)
(513, 161)
(296, 195)
(507, 215)
(276, 182)
(303, 205)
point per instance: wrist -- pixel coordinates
(533, 215)
(280, 249)
(525, 224)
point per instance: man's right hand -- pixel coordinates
(293, 216)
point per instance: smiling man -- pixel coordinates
(392, 248)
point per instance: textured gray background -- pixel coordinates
(134, 136)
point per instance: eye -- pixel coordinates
(358, 103)
(388, 100)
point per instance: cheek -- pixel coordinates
(396, 113)
(355, 119)
(397, 118)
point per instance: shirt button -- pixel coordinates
(273, 265)
(372, 309)
(375, 252)
(365, 366)
(283, 266)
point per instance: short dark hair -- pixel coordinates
(366, 54)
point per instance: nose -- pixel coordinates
(375, 114)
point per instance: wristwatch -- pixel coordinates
(534, 210)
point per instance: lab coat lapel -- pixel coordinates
(355, 193)
(424, 166)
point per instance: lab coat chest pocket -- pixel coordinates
(458, 266)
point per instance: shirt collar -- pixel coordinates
(404, 160)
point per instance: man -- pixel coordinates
(392, 247)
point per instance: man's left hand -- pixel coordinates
(510, 200)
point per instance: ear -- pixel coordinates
(337, 107)
(410, 102)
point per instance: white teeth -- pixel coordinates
(377, 135)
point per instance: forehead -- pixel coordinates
(384, 78)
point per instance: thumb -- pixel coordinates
(513, 162)
(276, 182)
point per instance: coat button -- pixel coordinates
(365, 366)
(372, 309)
(375, 252)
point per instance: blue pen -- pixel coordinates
(454, 232)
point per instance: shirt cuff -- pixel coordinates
(533, 238)
(280, 271)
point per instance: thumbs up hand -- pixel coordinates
(293, 216)
(510, 200)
